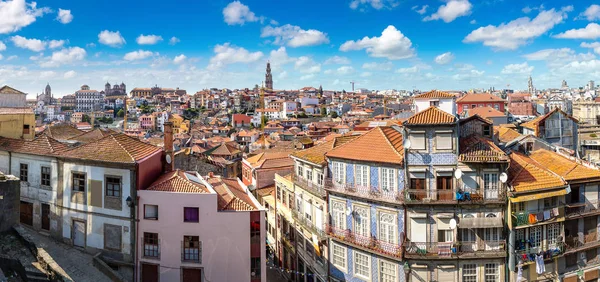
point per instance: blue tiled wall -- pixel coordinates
(374, 176)
(349, 275)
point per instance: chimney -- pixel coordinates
(168, 144)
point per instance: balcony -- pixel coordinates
(527, 255)
(308, 224)
(487, 196)
(368, 243)
(492, 248)
(440, 250)
(288, 242)
(578, 210)
(573, 244)
(316, 189)
(371, 193)
(524, 219)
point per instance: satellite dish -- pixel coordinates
(168, 159)
(453, 224)
(458, 173)
(407, 143)
(503, 177)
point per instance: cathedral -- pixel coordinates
(116, 90)
(46, 96)
(269, 77)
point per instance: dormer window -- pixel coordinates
(487, 131)
(434, 103)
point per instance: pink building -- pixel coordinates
(147, 122)
(195, 228)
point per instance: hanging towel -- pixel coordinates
(555, 211)
(520, 274)
(532, 219)
(547, 215)
(540, 216)
(539, 264)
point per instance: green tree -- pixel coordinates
(264, 119)
(323, 111)
(251, 126)
(334, 114)
(121, 113)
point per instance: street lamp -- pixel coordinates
(130, 202)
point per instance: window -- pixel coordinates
(151, 244)
(497, 107)
(339, 256)
(387, 227)
(192, 249)
(300, 171)
(46, 176)
(23, 172)
(254, 268)
(434, 103)
(550, 202)
(469, 273)
(151, 212)
(491, 272)
(361, 221)
(443, 140)
(362, 175)
(255, 232)
(190, 214)
(25, 128)
(338, 216)
(417, 140)
(309, 175)
(487, 131)
(465, 107)
(535, 235)
(78, 181)
(113, 186)
(320, 178)
(473, 106)
(387, 271)
(553, 233)
(388, 179)
(490, 181)
(445, 236)
(362, 263)
(310, 249)
(338, 172)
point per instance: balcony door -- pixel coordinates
(490, 182)
(492, 239)
(444, 188)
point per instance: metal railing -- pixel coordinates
(191, 251)
(308, 224)
(574, 244)
(309, 186)
(416, 196)
(368, 242)
(431, 249)
(527, 255)
(575, 210)
(473, 248)
(366, 192)
(524, 218)
(288, 242)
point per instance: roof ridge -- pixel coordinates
(121, 145)
(349, 142)
(390, 143)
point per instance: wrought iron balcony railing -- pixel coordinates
(366, 242)
(574, 243)
(366, 192)
(576, 210)
(481, 196)
(526, 218)
(308, 224)
(309, 186)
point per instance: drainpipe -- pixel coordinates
(9, 162)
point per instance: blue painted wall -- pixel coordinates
(349, 274)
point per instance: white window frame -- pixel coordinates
(342, 256)
(309, 175)
(389, 183)
(362, 175)
(495, 275)
(339, 172)
(490, 185)
(383, 234)
(355, 257)
(338, 215)
(552, 231)
(415, 138)
(361, 226)
(539, 234)
(380, 271)
(441, 134)
(470, 274)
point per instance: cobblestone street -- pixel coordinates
(75, 264)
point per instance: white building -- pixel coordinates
(87, 100)
(443, 100)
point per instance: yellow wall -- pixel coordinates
(11, 126)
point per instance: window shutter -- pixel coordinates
(444, 140)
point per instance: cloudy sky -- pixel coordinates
(379, 44)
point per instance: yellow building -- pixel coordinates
(178, 121)
(17, 123)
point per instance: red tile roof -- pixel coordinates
(479, 97)
(434, 94)
(271, 160)
(381, 144)
(63, 131)
(475, 149)
(177, 181)
(526, 174)
(485, 112)
(317, 153)
(231, 196)
(506, 134)
(431, 115)
(569, 169)
(42, 145)
(116, 148)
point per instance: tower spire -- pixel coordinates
(269, 77)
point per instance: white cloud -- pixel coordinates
(306, 64)
(138, 55)
(517, 32)
(13, 57)
(238, 13)
(148, 39)
(421, 10)
(273, 22)
(592, 13)
(179, 59)
(337, 60)
(375, 4)
(413, 69)
(378, 66)
(53, 44)
(282, 75)
(111, 38)
(280, 57)
(227, 54)
(527, 10)
(343, 70)
(17, 14)
(366, 74)
(174, 40)
(294, 36)
(64, 16)
(47, 74)
(32, 44)
(444, 58)
(593, 45)
(591, 31)
(307, 76)
(473, 22)
(392, 44)
(468, 75)
(451, 10)
(65, 56)
(69, 74)
(2, 46)
(1, 57)
(522, 69)
(549, 53)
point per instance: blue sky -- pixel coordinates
(379, 44)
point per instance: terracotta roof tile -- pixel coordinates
(42, 145)
(381, 144)
(475, 149)
(567, 168)
(63, 131)
(431, 115)
(92, 135)
(485, 112)
(434, 94)
(317, 153)
(116, 148)
(479, 97)
(506, 134)
(177, 181)
(231, 196)
(525, 174)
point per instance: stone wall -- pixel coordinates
(10, 197)
(195, 163)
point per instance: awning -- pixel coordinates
(317, 250)
(537, 196)
(480, 222)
